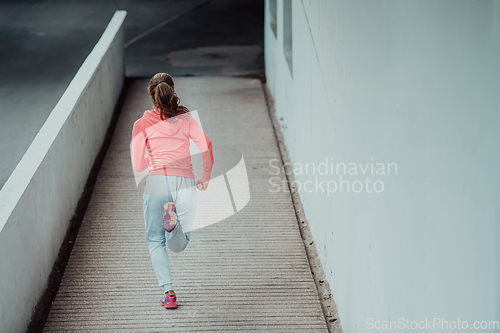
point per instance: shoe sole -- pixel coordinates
(169, 307)
(169, 216)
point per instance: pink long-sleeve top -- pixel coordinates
(167, 145)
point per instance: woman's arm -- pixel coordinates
(205, 145)
(137, 148)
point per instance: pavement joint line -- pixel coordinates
(230, 194)
(164, 23)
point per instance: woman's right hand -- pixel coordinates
(201, 186)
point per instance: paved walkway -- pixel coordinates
(248, 272)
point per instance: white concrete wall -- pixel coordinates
(414, 83)
(40, 197)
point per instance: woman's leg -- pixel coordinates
(155, 238)
(184, 196)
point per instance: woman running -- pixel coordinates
(160, 143)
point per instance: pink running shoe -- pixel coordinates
(169, 301)
(169, 216)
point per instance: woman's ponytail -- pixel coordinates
(163, 96)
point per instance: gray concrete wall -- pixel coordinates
(39, 198)
(413, 83)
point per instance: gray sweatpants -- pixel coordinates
(159, 190)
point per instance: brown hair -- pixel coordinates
(163, 96)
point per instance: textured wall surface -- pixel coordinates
(39, 198)
(415, 84)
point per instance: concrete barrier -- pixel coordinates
(40, 197)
